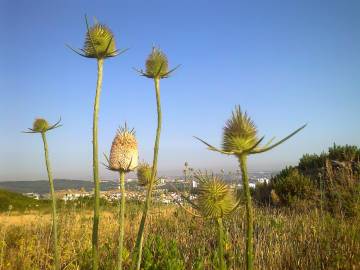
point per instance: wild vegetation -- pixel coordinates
(219, 229)
(284, 239)
(329, 181)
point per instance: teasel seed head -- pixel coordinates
(124, 151)
(40, 125)
(215, 199)
(99, 42)
(239, 133)
(157, 64)
(144, 171)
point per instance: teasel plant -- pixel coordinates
(240, 139)
(143, 174)
(41, 126)
(124, 157)
(157, 68)
(215, 202)
(100, 45)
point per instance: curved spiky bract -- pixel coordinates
(144, 174)
(40, 125)
(99, 42)
(156, 64)
(239, 133)
(215, 199)
(124, 151)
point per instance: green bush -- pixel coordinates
(292, 187)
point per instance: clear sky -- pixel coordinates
(285, 62)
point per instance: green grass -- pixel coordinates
(19, 202)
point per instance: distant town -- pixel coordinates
(167, 190)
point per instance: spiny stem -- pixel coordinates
(249, 214)
(121, 219)
(95, 233)
(53, 199)
(140, 236)
(221, 241)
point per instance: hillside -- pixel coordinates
(42, 186)
(18, 201)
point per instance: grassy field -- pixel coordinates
(283, 239)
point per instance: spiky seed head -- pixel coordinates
(99, 42)
(156, 64)
(239, 133)
(124, 151)
(215, 198)
(144, 174)
(40, 125)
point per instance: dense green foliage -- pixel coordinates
(329, 181)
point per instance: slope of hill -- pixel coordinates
(18, 201)
(42, 186)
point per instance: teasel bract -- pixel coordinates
(124, 157)
(99, 44)
(157, 68)
(240, 139)
(41, 126)
(215, 202)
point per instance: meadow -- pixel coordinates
(306, 217)
(284, 239)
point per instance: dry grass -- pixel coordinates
(283, 239)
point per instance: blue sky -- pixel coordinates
(285, 62)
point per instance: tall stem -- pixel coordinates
(95, 233)
(221, 240)
(140, 236)
(53, 199)
(249, 214)
(121, 219)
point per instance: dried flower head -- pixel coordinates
(144, 171)
(156, 64)
(215, 198)
(239, 132)
(124, 151)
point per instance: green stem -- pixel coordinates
(221, 241)
(249, 214)
(53, 199)
(95, 233)
(121, 219)
(140, 236)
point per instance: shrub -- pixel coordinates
(293, 187)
